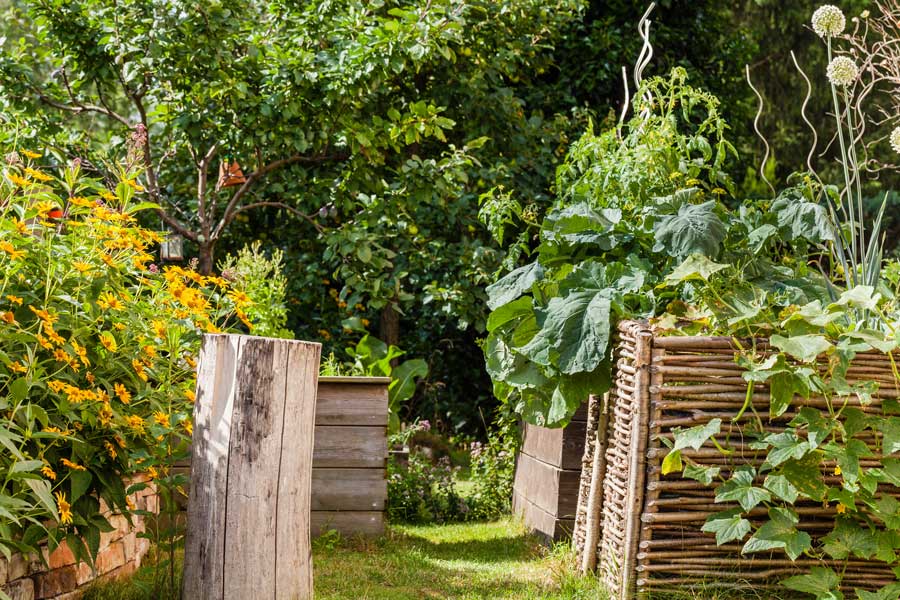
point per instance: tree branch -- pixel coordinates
(290, 209)
(202, 174)
(80, 107)
(228, 214)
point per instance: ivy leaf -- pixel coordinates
(740, 489)
(780, 531)
(695, 229)
(728, 526)
(804, 348)
(574, 331)
(822, 582)
(695, 437)
(513, 285)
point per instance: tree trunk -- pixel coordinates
(389, 328)
(207, 257)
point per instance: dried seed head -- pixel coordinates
(842, 71)
(828, 21)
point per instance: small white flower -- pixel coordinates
(842, 71)
(828, 20)
(895, 139)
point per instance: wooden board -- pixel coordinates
(348, 402)
(552, 489)
(249, 515)
(365, 523)
(540, 521)
(350, 447)
(562, 447)
(349, 489)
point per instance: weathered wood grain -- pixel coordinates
(562, 447)
(352, 401)
(552, 489)
(349, 489)
(350, 447)
(365, 523)
(249, 513)
(549, 527)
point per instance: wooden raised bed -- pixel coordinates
(650, 536)
(349, 479)
(349, 476)
(548, 468)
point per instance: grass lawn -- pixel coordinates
(453, 562)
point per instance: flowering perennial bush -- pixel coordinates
(97, 353)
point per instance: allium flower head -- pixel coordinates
(842, 71)
(828, 21)
(895, 139)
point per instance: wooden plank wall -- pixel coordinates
(349, 478)
(349, 475)
(548, 471)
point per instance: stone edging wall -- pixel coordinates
(121, 553)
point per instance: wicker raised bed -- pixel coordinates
(649, 536)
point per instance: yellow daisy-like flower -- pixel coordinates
(35, 174)
(110, 449)
(152, 473)
(108, 341)
(8, 317)
(135, 423)
(122, 393)
(19, 181)
(65, 509)
(159, 329)
(61, 355)
(188, 426)
(71, 465)
(841, 509)
(81, 266)
(161, 418)
(9, 249)
(119, 326)
(129, 502)
(47, 472)
(30, 154)
(83, 202)
(21, 226)
(17, 367)
(240, 298)
(190, 361)
(190, 395)
(150, 351)
(139, 369)
(14, 299)
(110, 301)
(365, 322)
(837, 471)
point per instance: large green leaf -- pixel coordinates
(798, 218)
(740, 489)
(574, 333)
(403, 380)
(513, 285)
(581, 224)
(696, 228)
(780, 531)
(694, 267)
(695, 437)
(822, 582)
(804, 348)
(728, 526)
(849, 538)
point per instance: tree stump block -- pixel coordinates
(251, 464)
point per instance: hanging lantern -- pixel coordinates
(230, 174)
(172, 248)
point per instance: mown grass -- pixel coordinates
(471, 561)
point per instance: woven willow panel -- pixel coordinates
(650, 537)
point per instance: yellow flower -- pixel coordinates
(57, 385)
(83, 202)
(110, 449)
(90, 377)
(129, 502)
(81, 352)
(365, 322)
(161, 418)
(106, 414)
(150, 351)
(324, 334)
(718, 191)
(122, 393)
(44, 342)
(119, 326)
(139, 369)
(152, 473)
(159, 329)
(190, 361)
(188, 426)
(81, 266)
(19, 181)
(841, 509)
(74, 466)
(61, 355)
(30, 154)
(8, 248)
(109, 300)
(108, 341)
(133, 184)
(47, 472)
(17, 367)
(240, 298)
(190, 395)
(135, 422)
(14, 299)
(837, 470)
(44, 315)
(21, 226)
(8, 317)
(37, 174)
(692, 181)
(65, 509)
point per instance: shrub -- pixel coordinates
(492, 469)
(98, 353)
(261, 278)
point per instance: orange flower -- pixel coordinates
(108, 341)
(161, 418)
(139, 369)
(47, 472)
(14, 299)
(9, 317)
(8, 248)
(65, 509)
(18, 367)
(135, 423)
(21, 226)
(110, 449)
(81, 266)
(71, 465)
(109, 300)
(841, 509)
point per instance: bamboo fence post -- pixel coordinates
(251, 465)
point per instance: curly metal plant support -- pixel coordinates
(762, 104)
(644, 58)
